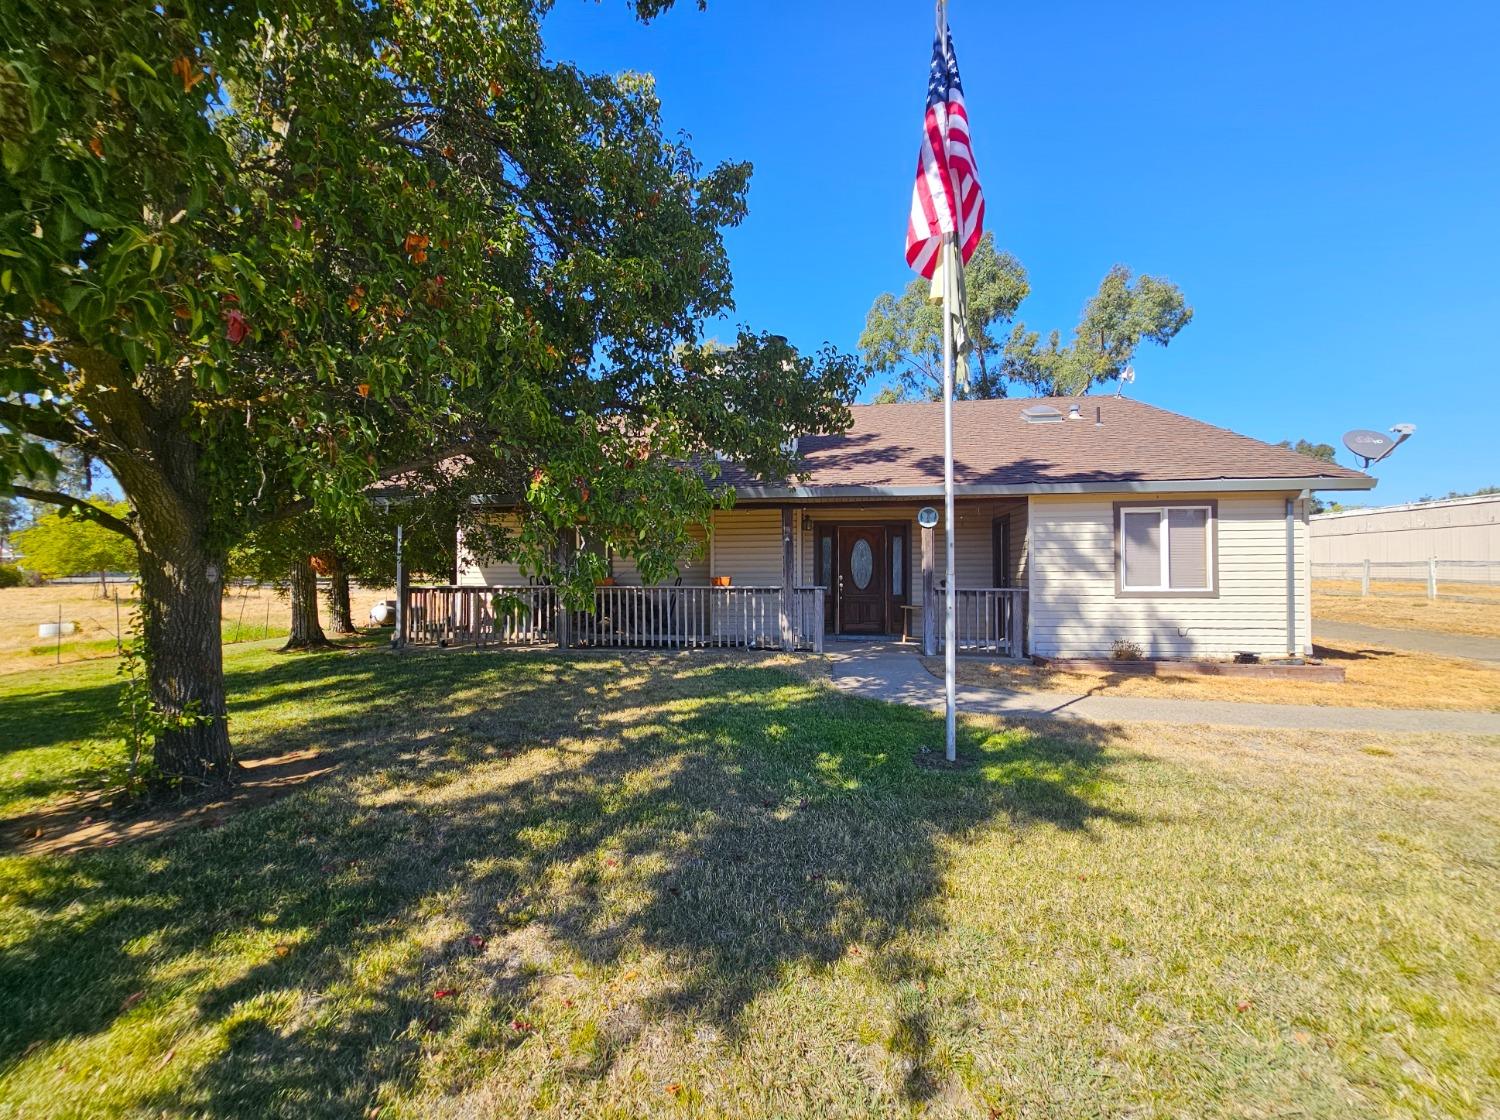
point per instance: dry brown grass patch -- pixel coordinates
(1473, 610)
(1376, 678)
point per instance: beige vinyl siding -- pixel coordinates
(693, 572)
(1074, 610)
(747, 545)
(497, 573)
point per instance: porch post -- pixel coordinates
(401, 591)
(929, 593)
(562, 620)
(788, 580)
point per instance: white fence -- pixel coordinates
(988, 620)
(1458, 576)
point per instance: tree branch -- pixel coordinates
(78, 506)
(38, 422)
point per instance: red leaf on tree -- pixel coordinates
(236, 326)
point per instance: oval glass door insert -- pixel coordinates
(861, 563)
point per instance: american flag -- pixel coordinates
(945, 164)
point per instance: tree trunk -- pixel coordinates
(340, 614)
(103, 584)
(184, 659)
(307, 632)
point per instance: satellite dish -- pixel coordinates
(927, 517)
(1375, 446)
(1366, 444)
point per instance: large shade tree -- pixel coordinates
(256, 256)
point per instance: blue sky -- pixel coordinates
(1323, 181)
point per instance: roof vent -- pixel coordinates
(1041, 414)
(1075, 411)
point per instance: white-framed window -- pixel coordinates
(1168, 548)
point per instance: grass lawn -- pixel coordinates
(577, 886)
(1472, 609)
(1376, 678)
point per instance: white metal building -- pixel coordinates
(1453, 531)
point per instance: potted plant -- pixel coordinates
(722, 581)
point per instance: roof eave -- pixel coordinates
(1021, 490)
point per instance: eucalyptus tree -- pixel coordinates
(903, 335)
(1122, 314)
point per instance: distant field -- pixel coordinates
(248, 615)
(1459, 609)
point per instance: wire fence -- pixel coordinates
(1433, 578)
(63, 622)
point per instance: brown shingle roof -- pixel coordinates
(901, 445)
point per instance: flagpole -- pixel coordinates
(950, 263)
(950, 627)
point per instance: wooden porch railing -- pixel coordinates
(502, 616)
(640, 617)
(989, 619)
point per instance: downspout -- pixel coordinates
(1291, 573)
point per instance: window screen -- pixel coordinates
(1187, 542)
(1140, 547)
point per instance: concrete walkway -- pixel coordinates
(1422, 641)
(880, 672)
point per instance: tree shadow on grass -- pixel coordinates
(735, 821)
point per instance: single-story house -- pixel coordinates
(1079, 523)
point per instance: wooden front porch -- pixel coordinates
(660, 617)
(989, 619)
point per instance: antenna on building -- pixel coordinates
(1371, 447)
(1127, 377)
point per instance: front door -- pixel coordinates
(862, 580)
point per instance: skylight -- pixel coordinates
(1041, 414)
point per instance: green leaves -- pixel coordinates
(903, 336)
(1119, 317)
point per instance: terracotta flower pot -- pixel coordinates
(608, 581)
(722, 581)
